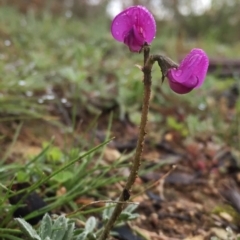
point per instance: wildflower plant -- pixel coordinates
(136, 28)
(60, 228)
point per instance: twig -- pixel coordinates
(97, 202)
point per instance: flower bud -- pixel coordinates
(191, 72)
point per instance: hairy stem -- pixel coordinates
(164, 64)
(125, 195)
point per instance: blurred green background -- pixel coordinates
(60, 63)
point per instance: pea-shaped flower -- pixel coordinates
(191, 72)
(134, 26)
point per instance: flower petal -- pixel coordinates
(121, 25)
(180, 88)
(146, 21)
(137, 16)
(191, 72)
(134, 40)
(194, 64)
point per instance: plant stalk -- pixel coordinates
(164, 64)
(125, 195)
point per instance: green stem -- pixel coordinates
(8, 230)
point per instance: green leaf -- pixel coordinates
(107, 212)
(130, 208)
(45, 228)
(90, 224)
(47, 238)
(53, 153)
(59, 228)
(27, 229)
(82, 236)
(22, 176)
(69, 234)
(125, 216)
(92, 236)
(63, 176)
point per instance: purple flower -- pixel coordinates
(191, 72)
(134, 26)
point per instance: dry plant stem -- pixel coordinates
(164, 64)
(137, 158)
